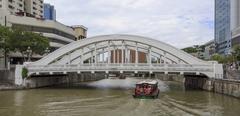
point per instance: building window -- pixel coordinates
(222, 35)
(10, 6)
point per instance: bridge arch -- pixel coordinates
(124, 49)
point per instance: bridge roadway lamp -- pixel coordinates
(47, 51)
(29, 52)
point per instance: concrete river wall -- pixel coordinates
(49, 80)
(222, 86)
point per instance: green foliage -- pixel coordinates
(223, 59)
(24, 72)
(219, 58)
(36, 42)
(236, 52)
(5, 34)
(18, 40)
(190, 50)
(194, 49)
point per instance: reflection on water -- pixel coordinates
(114, 98)
(127, 83)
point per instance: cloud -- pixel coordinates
(180, 23)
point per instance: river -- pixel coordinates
(113, 97)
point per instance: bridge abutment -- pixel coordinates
(50, 80)
(221, 86)
(170, 77)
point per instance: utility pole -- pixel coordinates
(5, 53)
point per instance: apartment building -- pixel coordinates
(222, 26)
(80, 31)
(12, 6)
(32, 8)
(235, 21)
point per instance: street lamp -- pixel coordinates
(29, 52)
(232, 52)
(47, 51)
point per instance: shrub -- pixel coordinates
(24, 72)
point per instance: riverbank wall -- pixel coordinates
(221, 86)
(7, 76)
(170, 77)
(50, 80)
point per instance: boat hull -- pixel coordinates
(154, 95)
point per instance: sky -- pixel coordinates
(181, 23)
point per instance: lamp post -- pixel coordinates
(47, 51)
(29, 52)
(233, 52)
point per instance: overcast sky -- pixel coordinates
(180, 23)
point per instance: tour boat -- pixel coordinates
(146, 89)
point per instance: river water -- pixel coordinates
(113, 97)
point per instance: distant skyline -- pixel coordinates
(181, 23)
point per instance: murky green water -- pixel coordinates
(114, 98)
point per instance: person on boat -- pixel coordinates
(148, 90)
(139, 90)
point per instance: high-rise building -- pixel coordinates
(235, 22)
(34, 7)
(223, 26)
(80, 32)
(12, 6)
(49, 12)
(26, 7)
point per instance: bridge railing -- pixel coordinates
(120, 67)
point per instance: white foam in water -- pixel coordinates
(127, 83)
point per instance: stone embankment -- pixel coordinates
(223, 86)
(7, 79)
(50, 80)
(7, 86)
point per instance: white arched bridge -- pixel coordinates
(122, 53)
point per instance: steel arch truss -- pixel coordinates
(121, 52)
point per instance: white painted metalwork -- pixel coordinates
(71, 58)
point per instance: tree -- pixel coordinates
(29, 43)
(17, 40)
(217, 57)
(190, 50)
(236, 52)
(5, 44)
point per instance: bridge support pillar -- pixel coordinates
(165, 72)
(197, 73)
(150, 72)
(121, 72)
(181, 73)
(106, 72)
(136, 54)
(37, 73)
